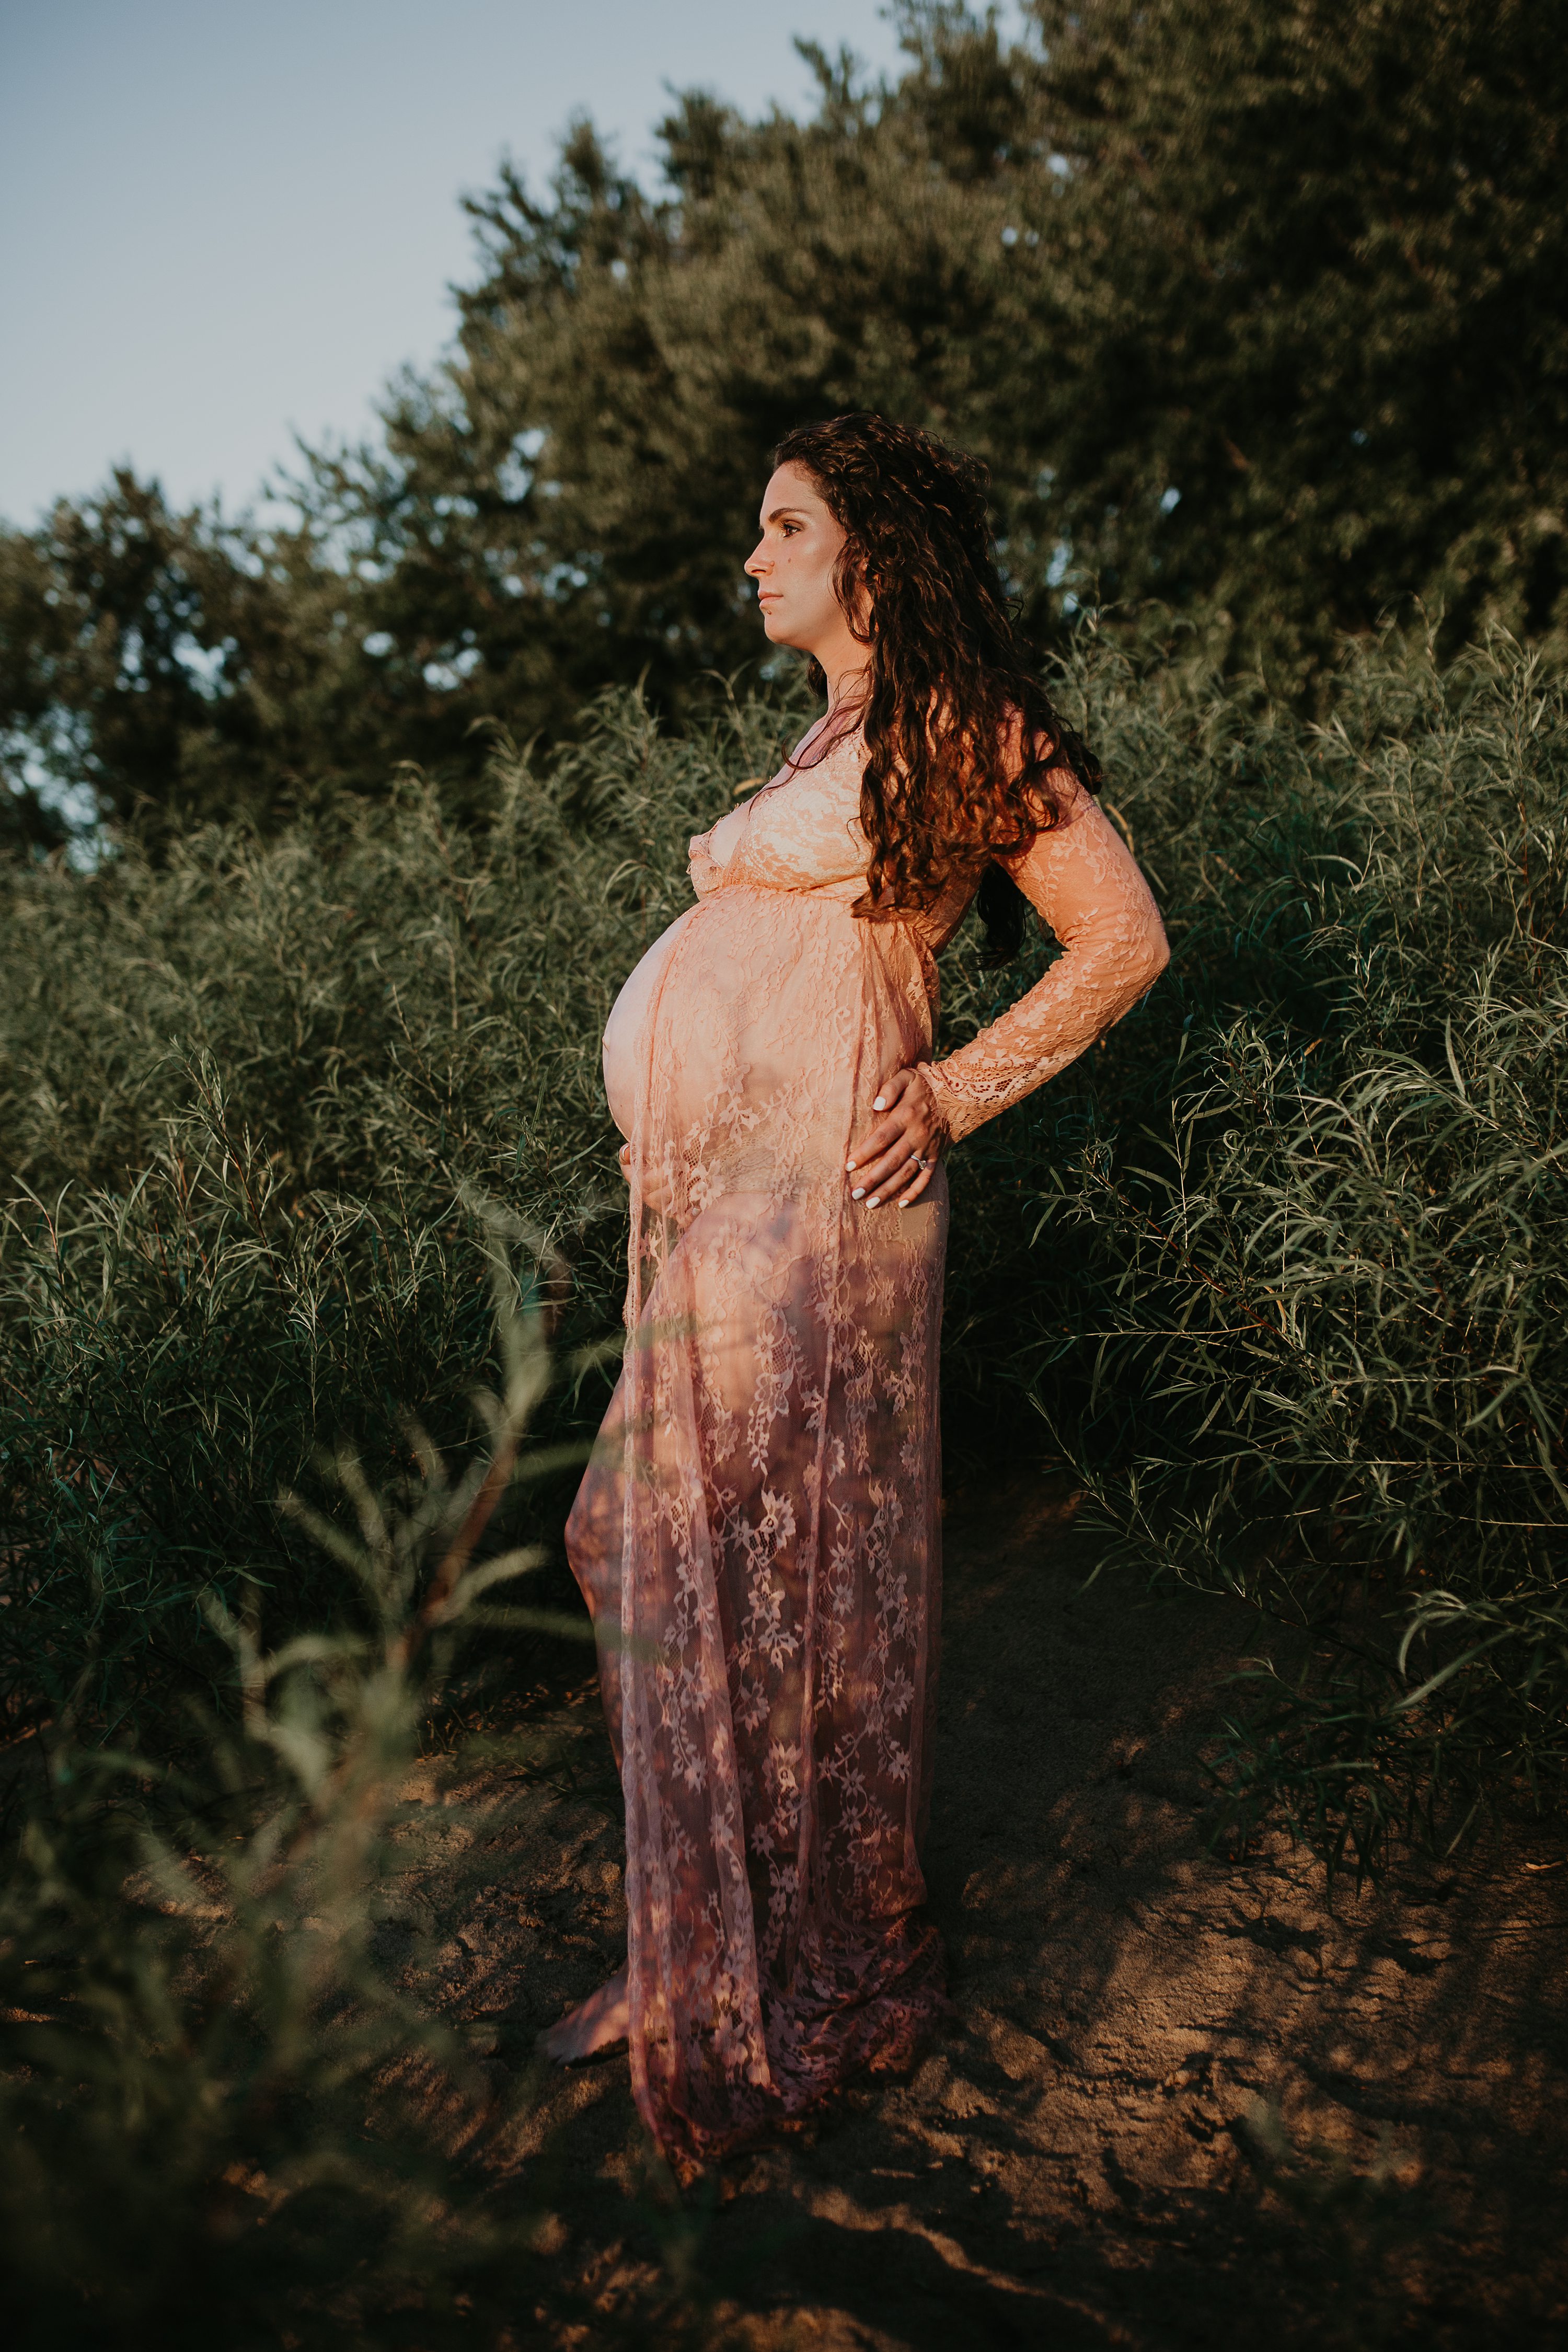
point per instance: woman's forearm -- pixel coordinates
(1083, 881)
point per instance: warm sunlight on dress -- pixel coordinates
(757, 1535)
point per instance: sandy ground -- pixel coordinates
(1186, 2096)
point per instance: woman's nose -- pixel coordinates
(757, 560)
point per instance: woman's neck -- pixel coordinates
(847, 688)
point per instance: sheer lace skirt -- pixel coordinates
(757, 1535)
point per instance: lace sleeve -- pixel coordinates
(1081, 878)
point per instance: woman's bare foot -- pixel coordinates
(597, 2023)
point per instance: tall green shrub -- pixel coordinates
(1302, 1289)
(1280, 1261)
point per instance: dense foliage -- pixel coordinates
(246, 1090)
(1252, 310)
(1281, 1264)
(1305, 1333)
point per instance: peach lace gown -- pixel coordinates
(757, 1533)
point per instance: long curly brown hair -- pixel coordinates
(965, 751)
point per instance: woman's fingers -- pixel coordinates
(889, 1130)
(655, 1191)
(907, 1194)
(881, 1151)
(887, 1162)
(894, 1171)
(885, 1151)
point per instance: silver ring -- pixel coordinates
(921, 1163)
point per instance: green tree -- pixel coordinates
(573, 493)
(1315, 256)
(170, 667)
(1254, 310)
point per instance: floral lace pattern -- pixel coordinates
(757, 1533)
(1080, 879)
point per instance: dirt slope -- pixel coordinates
(1184, 2097)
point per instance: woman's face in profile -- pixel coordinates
(792, 564)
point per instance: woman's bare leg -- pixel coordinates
(595, 2024)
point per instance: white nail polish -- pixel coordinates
(859, 1193)
(880, 1103)
(873, 1202)
(849, 1167)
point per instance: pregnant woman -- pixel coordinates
(757, 1533)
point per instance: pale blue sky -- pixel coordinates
(219, 222)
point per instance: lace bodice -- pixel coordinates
(802, 832)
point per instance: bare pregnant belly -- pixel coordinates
(626, 1029)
